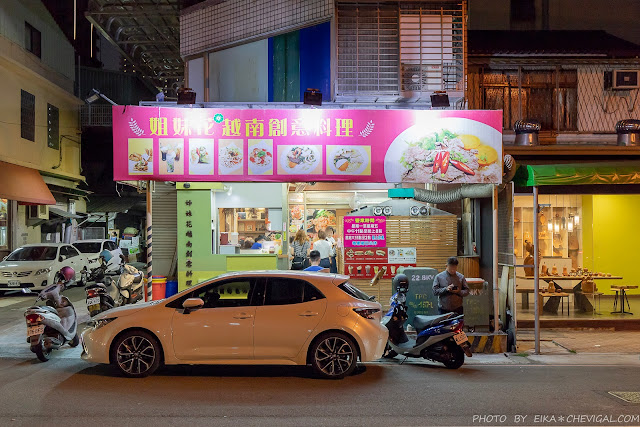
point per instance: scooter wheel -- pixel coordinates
(42, 353)
(75, 341)
(456, 358)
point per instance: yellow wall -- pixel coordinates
(611, 237)
(15, 76)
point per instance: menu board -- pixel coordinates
(365, 263)
(288, 145)
(365, 231)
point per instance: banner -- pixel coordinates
(307, 144)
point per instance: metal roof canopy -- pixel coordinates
(146, 33)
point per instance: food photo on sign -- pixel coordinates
(320, 219)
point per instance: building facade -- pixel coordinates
(39, 130)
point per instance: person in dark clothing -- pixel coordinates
(450, 287)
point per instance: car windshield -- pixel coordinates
(355, 292)
(88, 247)
(34, 253)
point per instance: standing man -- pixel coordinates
(332, 254)
(450, 287)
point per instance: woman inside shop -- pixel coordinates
(321, 245)
(300, 249)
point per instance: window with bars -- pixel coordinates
(393, 49)
(549, 96)
(27, 115)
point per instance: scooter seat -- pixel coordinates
(421, 322)
(45, 308)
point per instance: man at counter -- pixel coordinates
(258, 243)
(314, 258)
(450, 287)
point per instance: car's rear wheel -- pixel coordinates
(136, 354)
(333, 355)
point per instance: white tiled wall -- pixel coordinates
(225, 23)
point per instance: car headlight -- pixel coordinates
(97, 324)
(43, 271)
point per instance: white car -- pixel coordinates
(260, 318)
(34, 266)
(92, 248)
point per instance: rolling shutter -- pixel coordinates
(165, 223)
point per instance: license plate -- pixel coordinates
(95, 307)
(460, 338)
(93, 301)
(14, 283)
(35, 330)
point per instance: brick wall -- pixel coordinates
(210, 27)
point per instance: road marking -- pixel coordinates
(5, 302)
(627, 396)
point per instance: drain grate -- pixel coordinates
(627, 396)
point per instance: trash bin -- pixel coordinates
(158, 287)
(172, 288)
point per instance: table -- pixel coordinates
(542, 295)
(622, 295)
(525, 292)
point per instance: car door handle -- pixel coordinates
(308, 314)
(243, 316)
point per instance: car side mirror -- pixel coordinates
(191, 304)
(62, 258)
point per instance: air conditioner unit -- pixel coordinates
(621, 79)
(38, 212)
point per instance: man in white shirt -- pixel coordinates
(321, 245)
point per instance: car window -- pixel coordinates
(72, 251)
(229, 293)
(88, 247)
(283, 290)
(63, 251)
(34, 253)
(110, 246)
(354, 292)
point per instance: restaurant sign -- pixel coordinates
(305, 144)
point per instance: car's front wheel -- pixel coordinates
(333, 355)
(136, 354)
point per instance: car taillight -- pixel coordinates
(92, 293)
(367, 313)
(33, 318)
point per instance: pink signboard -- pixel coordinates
(305, 144)
(365, 232)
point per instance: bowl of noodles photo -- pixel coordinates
(449, 150)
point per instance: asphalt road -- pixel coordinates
(68, 391)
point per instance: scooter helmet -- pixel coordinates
(67, 273)
(401, 283)
(106, 255)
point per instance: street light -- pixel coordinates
(94, 95)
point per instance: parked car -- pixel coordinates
(34, 266)
(260, 318)
(92, 248)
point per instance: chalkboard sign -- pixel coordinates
(420, 298)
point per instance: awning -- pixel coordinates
(113, 203)
(578, 174)
(63, 213)
(24, 185)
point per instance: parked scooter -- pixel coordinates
(440, 338)
(130, 286)
(98, 297)
(52, 325)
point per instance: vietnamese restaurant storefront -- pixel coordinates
(245, 174)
